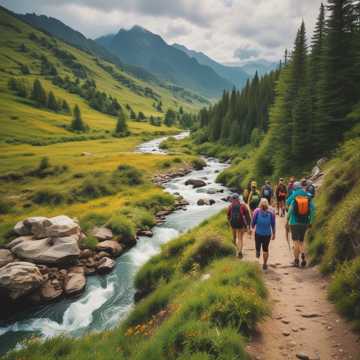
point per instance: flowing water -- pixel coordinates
(108, 299)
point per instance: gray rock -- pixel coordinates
(102, 233)
(302, 356)
(6, 257)
(110, 246)
(21, 229)
(37, 226)
(19, 278)
(105, 265)
(63, 250)
(62, 226)
(50, 290)
(75, 283)
(196, 183)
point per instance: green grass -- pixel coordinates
(185, 316)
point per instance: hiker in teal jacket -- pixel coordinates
(300, 217)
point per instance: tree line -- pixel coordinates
(304, 106)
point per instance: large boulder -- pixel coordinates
(6, 257)
(111, 247)
(62, 226)
(51, 290)
(202, 202)
(105, 265)
(196, 183)
(51, 251)
(37, 226)
(75, 282)
(102, 233)
(19, 278)
(21, 229)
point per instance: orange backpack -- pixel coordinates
(302, 208)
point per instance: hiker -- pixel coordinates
(280, 193)
(239, 219)
(247, 191)
(290, 187)
(267, 191)
(310, 188)
(254, 197)
(300, 218)
(264, 223)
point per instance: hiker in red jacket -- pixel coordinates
(239, 218)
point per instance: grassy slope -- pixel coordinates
(186, 316)
(21, 121)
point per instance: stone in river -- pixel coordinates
(110, 246)
(75, 283)
(105, 265)
(19, 278)
(102, 233)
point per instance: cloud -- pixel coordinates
(246, 52)
(226, 30)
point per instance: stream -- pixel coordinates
(108, 299)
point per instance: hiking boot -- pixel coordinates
(240, 255)
(303, 261)
(296, 263)
(258, 254)
(265, 267)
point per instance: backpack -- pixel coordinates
(311, 190)
(238, 215)
(264, 219)
(282, 191)
(267, 192)
(255, 199)
(302, 209)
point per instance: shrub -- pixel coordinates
(92, 188)
(198, 164)
(142, 218)
(205, 251)
(344, 290)
(156, 201)
(165, 164)
(89, 242)
(90, 220)
(122, 227)
(127, 175)
(6, 207)
(48, 196)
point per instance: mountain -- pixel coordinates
(64, 32)
(140, 47)
(234, 74)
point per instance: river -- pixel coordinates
(108, 299)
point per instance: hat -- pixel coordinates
(235, 196)
(281, 179)
(253, 184)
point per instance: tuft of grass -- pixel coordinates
(156, 202)
(91, 220)
(198, 164)
(142, 218)
(122, 227)
(48, 196)
(127, 175)
(89, 242)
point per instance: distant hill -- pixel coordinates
(234, 74)
(140, 47)
(73, 37)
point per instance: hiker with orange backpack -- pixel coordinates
(239, 218)
(300, 217)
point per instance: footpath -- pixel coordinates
(303, 323)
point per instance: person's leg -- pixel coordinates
(265, 247)
(239, 242)
(302, 245)
(277, 206)
(234, 235)
(257, 245)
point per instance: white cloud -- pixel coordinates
(259, 28)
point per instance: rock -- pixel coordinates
(85, 153)
(50, 291)
(19, 278)
(202, 202)
(75, 283)
(102, 233)
(302, 356)
(310, 315)
(111, 247)
(205, 277)
(321, 162)
(86, 253)
(37, 226)
(6, 257)
(127, 243)
(146, 233)
(21, 229)
(106, 265)
(62, 226)
(284, 321)
(43, 269)
(101, 255)
(89, 271)
(62, 250)
(196, 183)
(286, 333)
(76, 269)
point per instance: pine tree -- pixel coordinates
(132, 115)
(52, 103)
(77, 123)
(38, 93)
(121, 125)
(170, 118)
(65, 107)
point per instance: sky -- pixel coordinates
(229, 31)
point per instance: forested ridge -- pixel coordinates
(305, 107)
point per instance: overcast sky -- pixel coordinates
(230, 31)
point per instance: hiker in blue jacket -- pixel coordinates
(300, 217)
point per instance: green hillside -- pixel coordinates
(23, 47)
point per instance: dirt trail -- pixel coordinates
(302, 320)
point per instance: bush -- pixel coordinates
(92, 188)
(6, 207)
(127, 175)
(48, 196)
(156, 201)
(198, 164)
(89, 242)
(90, 220)
(122, 227)
(344, 290)
(205, 251)
(142, 218)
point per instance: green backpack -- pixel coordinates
(255, 199)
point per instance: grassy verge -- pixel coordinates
(203, 304)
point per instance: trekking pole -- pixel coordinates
(287, 231)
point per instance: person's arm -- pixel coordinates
(273, 225)
(254, 220)
(312, 213)
(249, 198)
(229, 213)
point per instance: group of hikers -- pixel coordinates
(253, 210)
